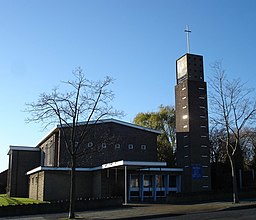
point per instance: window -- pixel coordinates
(201, 88)
(185, 146)
(104, 145)
(183, 88)
(185, 126)
(185, 136)
(204, 156)
(203, 136)
(184, 107)
(202, 107)
(203, 146)
(201, 97)
(203, 126)
(134, 182)
(143, 147)
(184, 97)
(90, 144)
(160, 181)
(202, 116)
(184, 116)
(147, 183)
(186, 156)
(117, 146)
(172, 181)
(130, 146)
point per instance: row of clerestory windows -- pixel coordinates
(118, 146)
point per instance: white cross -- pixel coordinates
(188, 40)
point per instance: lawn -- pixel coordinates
(5, 200)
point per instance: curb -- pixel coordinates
(240, 207)
(249, 206)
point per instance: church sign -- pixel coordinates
(196, 171)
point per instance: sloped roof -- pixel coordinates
(103, 121)
(128, 124)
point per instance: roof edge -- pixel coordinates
(113, 164)
(112, 120)
(22, 148)
(42, 168)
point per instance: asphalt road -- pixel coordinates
(243, 214)
(205, 211)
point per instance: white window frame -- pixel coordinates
(117, 146)
(90, 144)
(143, 147)
(130, 146)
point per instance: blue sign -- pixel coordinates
(196, 171)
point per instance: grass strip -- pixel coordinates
(6, 200)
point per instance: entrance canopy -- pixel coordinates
(135, 165)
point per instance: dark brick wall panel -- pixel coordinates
(20, 163)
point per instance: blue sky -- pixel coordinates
(134, 41)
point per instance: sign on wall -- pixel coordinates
(196, 171)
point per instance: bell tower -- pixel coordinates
(192, 130)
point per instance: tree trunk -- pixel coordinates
(72, 193)
(233, 171)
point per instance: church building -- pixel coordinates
(120, 159)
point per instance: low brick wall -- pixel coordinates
(59, 206)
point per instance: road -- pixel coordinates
(244, 214)
(206, 211)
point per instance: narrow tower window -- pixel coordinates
(184, 116)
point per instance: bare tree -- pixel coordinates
(84, 101)
(233, 107)
(217, 148)
(249, 146)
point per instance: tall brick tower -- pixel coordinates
(192, 131)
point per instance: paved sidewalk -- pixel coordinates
(145, 211)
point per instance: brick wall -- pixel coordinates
(20, 162)
(49, 150)
(3, 181)
(112, 142)
(36, 186)
(55, 185)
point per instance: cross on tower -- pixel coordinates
(188, 40)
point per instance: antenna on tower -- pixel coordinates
(188, 40)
